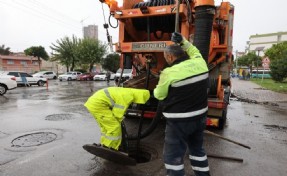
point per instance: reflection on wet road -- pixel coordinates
(42, 133)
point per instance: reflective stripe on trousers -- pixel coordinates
(112, 138)
(199, 164)
(188, 134)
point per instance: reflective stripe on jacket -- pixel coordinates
(183, 86)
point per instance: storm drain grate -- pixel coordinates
(33, 139)
(58, 117)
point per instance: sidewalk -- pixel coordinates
(249, 90)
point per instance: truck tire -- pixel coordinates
(3, 89)
(222, 120)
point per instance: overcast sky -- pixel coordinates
(26, 23)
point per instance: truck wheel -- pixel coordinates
(3, 89)
(222, 120)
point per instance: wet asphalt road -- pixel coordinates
(42, 133)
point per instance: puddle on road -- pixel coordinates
(277, 131)
(71, 97)
(76, 109)
(3, 99)
(59, 117)
(34, 139)
(35, 97)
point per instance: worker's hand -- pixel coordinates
(177, 37)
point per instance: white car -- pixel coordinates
(100, 76)
(69, 76)
(113, 76)
(23, 78)
(45, 74)
(127, 74)
(7, 83)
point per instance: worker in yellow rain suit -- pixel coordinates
(108, 107)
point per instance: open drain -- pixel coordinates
(143, 155)
(33, 139)
(58, 117)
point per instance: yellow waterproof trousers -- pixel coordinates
(110, 128)
(108, 107)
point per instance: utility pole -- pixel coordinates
(236, 57)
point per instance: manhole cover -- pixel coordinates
(34, 139)
(58, 117)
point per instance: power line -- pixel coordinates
(42, 13)
(39, 15)
(47, 8)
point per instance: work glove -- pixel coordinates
(177, 37)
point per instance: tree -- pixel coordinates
(279, 69)
(249, 59)
(277, 51)
(65, 51)
(4, 50)
(37, 51)
(111, 62)
(91, 51)
(278, 57)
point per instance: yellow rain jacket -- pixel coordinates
(108, 107)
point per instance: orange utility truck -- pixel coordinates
(145, 29)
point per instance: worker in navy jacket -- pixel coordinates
(182, 90)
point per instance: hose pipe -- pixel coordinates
(203, 27)
(152, 126)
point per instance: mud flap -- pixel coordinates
(109, 154)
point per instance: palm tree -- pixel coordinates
(64, 51)
(4, 50)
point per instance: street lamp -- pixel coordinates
(258, 49)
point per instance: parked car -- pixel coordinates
(113, 76)
(127, 74)
(46, 74)
(7, 83)
(69, 76)
(85, 77)
(23, 78)
(100, 76)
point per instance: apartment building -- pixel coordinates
(19, 62)
(262, 42)
(91, 31)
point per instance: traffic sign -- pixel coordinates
(265, 65)
(265, 62)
